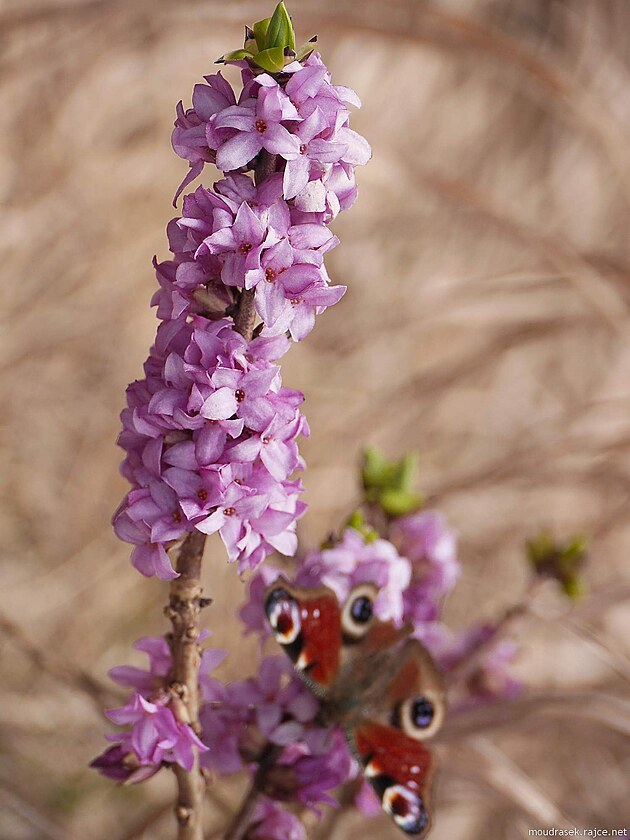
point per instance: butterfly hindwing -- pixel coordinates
(403, 705)
(410, 696)
(399, 768)
(306, 622)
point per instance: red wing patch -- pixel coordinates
(400, 769)
(307, 623)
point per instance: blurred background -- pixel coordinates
(486, 326)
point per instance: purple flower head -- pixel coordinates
(353, 561)
(240, 718)
(271, 822)
(256, 514)
(298, 314)
(314, 150)
(189, 134)
(155, 736)
(240, 244)
(324, 771)
(210, 436)
(425, 539)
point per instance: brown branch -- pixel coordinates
(145, 822)
(183, 611)
(474, 657)
(509, 780)
(590, 282)
(597, 707)
(245, 316)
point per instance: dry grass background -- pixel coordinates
(487, 325)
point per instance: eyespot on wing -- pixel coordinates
(306, 622)
(400, 769)
(357, 615)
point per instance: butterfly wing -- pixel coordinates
(400, 710)
(307, 623)
(378, 683)
(400, 769)
(401, 704)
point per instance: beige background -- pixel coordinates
(486, 325)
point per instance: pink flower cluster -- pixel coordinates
(154, 735)
(271, 822)
(210, 433)
(303, 121)
(247, 237)
(412, 579)
(210, 440)
(240, 720)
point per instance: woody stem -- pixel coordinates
(183, 610)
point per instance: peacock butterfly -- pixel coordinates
(375, 681)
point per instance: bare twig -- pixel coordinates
(145, 821)
(601, 645)
(591, 284)
(508, 779)
(30, 812)
(11, 802)
(474, 657)
(183, 610)
(604, 709)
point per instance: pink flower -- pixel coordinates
(353, 561)
(160, 661)
(313, 149)
(155, 735)
(189, 135)
(242, 244)
(275, 707)
(210, 436)
(271, 822)
(259, 126)
(431, 546)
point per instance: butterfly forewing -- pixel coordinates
(306, 622)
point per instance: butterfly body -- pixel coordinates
(375, 681)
